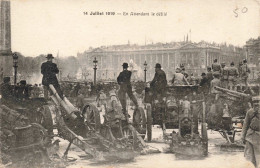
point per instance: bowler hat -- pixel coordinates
(23, 82)
(203, 74)
(232, 63)
(125, 65)
(158, 65)
(49, 56)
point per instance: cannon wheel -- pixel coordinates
(149, 122)
(139, 121)
(44, 118)
(204, 132)
(91, 114)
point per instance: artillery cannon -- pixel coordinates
(104, 142)
(227, 113)
(179, 111)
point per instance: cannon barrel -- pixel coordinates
(65, 103)
(233, 93)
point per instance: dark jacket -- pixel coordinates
(159, 82)
(124, 79)
(49, 71)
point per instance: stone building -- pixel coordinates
(195, 56)
(253, 51)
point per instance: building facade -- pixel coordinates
(195, 56)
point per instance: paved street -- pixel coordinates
(216, 158)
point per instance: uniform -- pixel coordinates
(159, 83)
(49, 71)
(178, 79)
(251, 134)
(224, 77)
(232, 75)
(125, 87)
(215, 82)
(216, 67)
(244, 74)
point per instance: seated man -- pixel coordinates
(179, 78)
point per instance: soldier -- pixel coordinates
(216, 66)
(179, 78)
(215, 82)
(192, 79)
(159, 82)
(125, 87)
(244, 73)
(232, 76)
(251, 134)
(49, 71)
(224, 76)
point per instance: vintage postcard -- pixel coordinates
(130, 83)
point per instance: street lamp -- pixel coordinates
(145, 66)
(15, 61)
(95, 69)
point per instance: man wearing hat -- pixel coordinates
(159, 82)
(232, 76)
(251, 133)
(49, 71)
(244, 73)
(124, 80)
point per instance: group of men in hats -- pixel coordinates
(157, 85)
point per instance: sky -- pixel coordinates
(52, 26)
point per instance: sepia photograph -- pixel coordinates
(135, 84)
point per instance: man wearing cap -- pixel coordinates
(124, 80)
(232, 76)
(49, 71)
(159, 82)
(179, 78)
(216, 66)
(244, 73)
(224, 76)
(251, 133)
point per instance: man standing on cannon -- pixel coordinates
(124, 80)
(49, 71)
(159, 83)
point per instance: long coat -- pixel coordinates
(252, 137)
(159, 83)
(49, 71)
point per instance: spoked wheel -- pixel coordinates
(44, 118)
(139, 121)
(91, 114)
(130, 135)
(149, 122)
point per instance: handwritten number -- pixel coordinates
(236, 15)
(244, 10)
